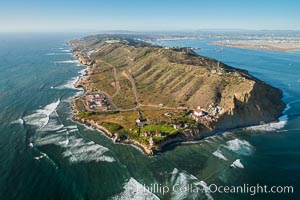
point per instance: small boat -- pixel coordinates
(30, 145)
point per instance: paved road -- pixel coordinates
(109, 98)
(130, 78)
(116, 81)
(111, 103)
(163, 107)
(115, 76)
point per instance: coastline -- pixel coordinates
(90, 123)
(278, 46)
(114, 137)
(178, 139)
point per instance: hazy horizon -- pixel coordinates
(143, 16)
(183, 31)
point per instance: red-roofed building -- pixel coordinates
(198, 114)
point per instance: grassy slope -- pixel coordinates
(173, 77)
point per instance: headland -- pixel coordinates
(152, 96)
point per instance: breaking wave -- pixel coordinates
(40, 117)
(73, 130)
(134, 190)
(18, 121)
(288, 106)
(184, 179)
(70, 83)
(206, 190)
(237, 164)
(55, 54)
(238, 146)
(75, 149)
(51, 130)
(219, 154)
(275, 126)
(69, 99)
(78, 150)
(65, 50)
(270, 127)
(68, 61)
(72, 127)
(52, 126)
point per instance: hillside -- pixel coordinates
(167, 87)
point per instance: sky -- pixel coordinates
(147, 15)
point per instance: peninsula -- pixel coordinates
(150, 96)
(262, 44)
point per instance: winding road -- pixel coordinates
(109, 98)
(130, 78)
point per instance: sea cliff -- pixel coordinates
(151, 96)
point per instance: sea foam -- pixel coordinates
(52, 131)
(275, 126)
(270, 127)
(55, 54)
(238, 146)
(237, 163)
(75, 149)
(68, 61)
(79, 150)
(40, 117)
(69, 84)
(185, 179)
(134, 190)
(18, 121)
(219, 154)
(65, 50)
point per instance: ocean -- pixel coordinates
(46, 155)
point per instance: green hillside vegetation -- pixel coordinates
(141, 78)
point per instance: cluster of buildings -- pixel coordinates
(156, 133)
(215, 110)
(140, 122)
(97, 101)
(201, 115)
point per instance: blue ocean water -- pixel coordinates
(45, 155)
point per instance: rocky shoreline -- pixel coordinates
(90, 123)
(238, 116)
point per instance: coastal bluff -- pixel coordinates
(152, 96)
